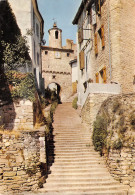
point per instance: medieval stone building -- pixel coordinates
(106, 46)
(55, 63)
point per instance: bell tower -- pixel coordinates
(55, 37)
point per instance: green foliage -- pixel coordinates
(132, 119)
(16, 54)
(22, 85)
(32, 171)
(74, 103)
(117, 145)
(51, 96)
(49, 119)
(116, 106)
(99, 134)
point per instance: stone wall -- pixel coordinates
(17, 115)
(119, 153)
(91, 108)
(22, 160)
(21, 114)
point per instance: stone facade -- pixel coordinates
(106, 41)
(55, 62)
(22, 160)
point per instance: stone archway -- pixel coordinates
(55, 86)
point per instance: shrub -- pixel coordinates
(117, 145)
(74, 103)
(49, 119)
(132, 119)
(99, 134)
(116, 106)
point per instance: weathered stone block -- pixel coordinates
(9, 174)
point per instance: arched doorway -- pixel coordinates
(55, 87)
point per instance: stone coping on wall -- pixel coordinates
(99, 88)
(104, 88)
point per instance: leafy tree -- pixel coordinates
(16, 54)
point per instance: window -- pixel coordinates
(53, 76)
(34, 52)
(37, 58)
(68, 54)
(81, 59)
(46, 52)
(94, 17)
(37, 30)
(99, 7)
(102, 36)
(97, 77)
(96, 44)
(56, 34)
(103, 75)
(33, 20)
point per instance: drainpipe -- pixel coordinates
(110, 61)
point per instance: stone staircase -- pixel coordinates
(76, 168)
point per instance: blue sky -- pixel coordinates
(63, 11)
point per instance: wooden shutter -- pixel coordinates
(97, 77)
(80, 35)
(104, 75)
(81, 59)
(96, 44)
(99, 7)
(102, 36)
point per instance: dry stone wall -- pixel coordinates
(21, 157)
(91, 107)
(119, 152)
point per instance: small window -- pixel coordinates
(53, 76)
(46, 52)
(68, 54)
(38, 58)
(33, 20)
(37, 30)
(96, 44)
(56, 34)
(34, 52)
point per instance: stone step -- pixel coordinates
(69, 135)
(77, 166)
(70, 138)
(81, 163)
(84, 180)
(110, 192)
(85, 184)
(86, 188)
(83, 151)
(79, 170)
(80, 155)
(78, 174)
(74, 145)
(90, 160)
